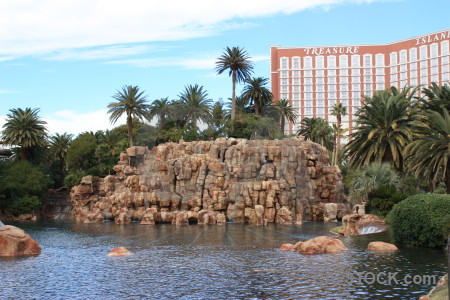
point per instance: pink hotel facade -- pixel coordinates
(316, 78)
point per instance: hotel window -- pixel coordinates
(308, 103)
(413, 66)
(344, 102)
(379, 58)
(296, 81)
(284, 89)
(320, 88)
(367, 60)
(380, 87)
(332, 88)
(445, 60)
(308, 88)
(445, 77)
(367, 71)
(356, 72)
(331, 72)
(332, 80)
(320, 73)
(434, 70)
(356, 79)
(393, 70)
(320, 111)
(413, 82)
(308, 96)
(423, 80)
(295, 88)
(434, 50)
(368, 94)
(295, 73)
(394, 83)
(320, 80)
(284, 62)
(445, 68)
(356, 103)
(343, 87)
(394, 77)
(343, 61)
(435, 78)
(403, 83)
(308, 74)
(308, 80)
(296, 62)
(320, 96)
(356, 61)
(307, 62)
(403, 76)
(343, 72)
(445, 48)
(308, 111)
(424, 72)
(296, 103)
(423, 52)
(412, 54)
(379, 79)
(320, 103)
(434, 62)
(403, 68)
(367, 87)
(393, 58)
(284, 74)
(344, 95)
(379, 71)
(367, 78)
(423, 64)
(284, 96)
(284, 81)
(402, 56)
(343, 79)
(331, 61)
(356, 95)
(356, 87)
(296, 97)
(332, 96)
(319, 62)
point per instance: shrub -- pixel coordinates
(383, 199)
(419, 220)
(26, 205)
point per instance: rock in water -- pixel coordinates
(16, 242)
(318, 245)
(119, 251)
(381, 246)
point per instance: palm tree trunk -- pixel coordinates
(282, 124)
(447, 177)
(257, 108)
(233, 96)
(130, 130)
(23, 154)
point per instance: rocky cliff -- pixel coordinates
(209, 182)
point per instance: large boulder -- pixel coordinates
(381, 246)
(318, 245)
(16, 242)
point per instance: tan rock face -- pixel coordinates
(16, 242)
(318, 245)
(381, 246)
(355, 222)
(282, 181)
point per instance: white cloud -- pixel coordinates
(37, 27)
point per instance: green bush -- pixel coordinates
(26, 205)
(383, 199)
(419, 220)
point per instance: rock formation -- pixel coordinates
(16, 242)
(318, 245)
(119, 251)
(356, 223)
(381, 246)
(211, 182)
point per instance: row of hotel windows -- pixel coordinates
(434, 64)
(395, 58)
(333, 95)
(329, 103)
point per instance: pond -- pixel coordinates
(234, 261)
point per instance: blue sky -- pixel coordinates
(69, 57)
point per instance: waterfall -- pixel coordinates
(1, 224)
(370, 229)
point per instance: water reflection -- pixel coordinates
(204, 262)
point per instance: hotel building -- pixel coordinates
(314, 79)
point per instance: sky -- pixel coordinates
(68, 58)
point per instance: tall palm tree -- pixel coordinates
(132, 102)
(237, 61)
(286, 112)
(59, 145)
(256, 92)
(317, 130)
(436, 97)
(24, 128)
(160, 108)
(428, 156)
(338, 110)
(196, 105)
(383, 128)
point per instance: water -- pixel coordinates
(370, 230)
(235, 261)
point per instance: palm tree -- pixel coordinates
(196, 105)
(383, 128)
(338, 110)
(132, 102)
(436, 97)
(286, 112)
(428, 156)
(160, 108)
(318, 131)
(236, 60)
(59, 145)
(256, 92)
(24, 128)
